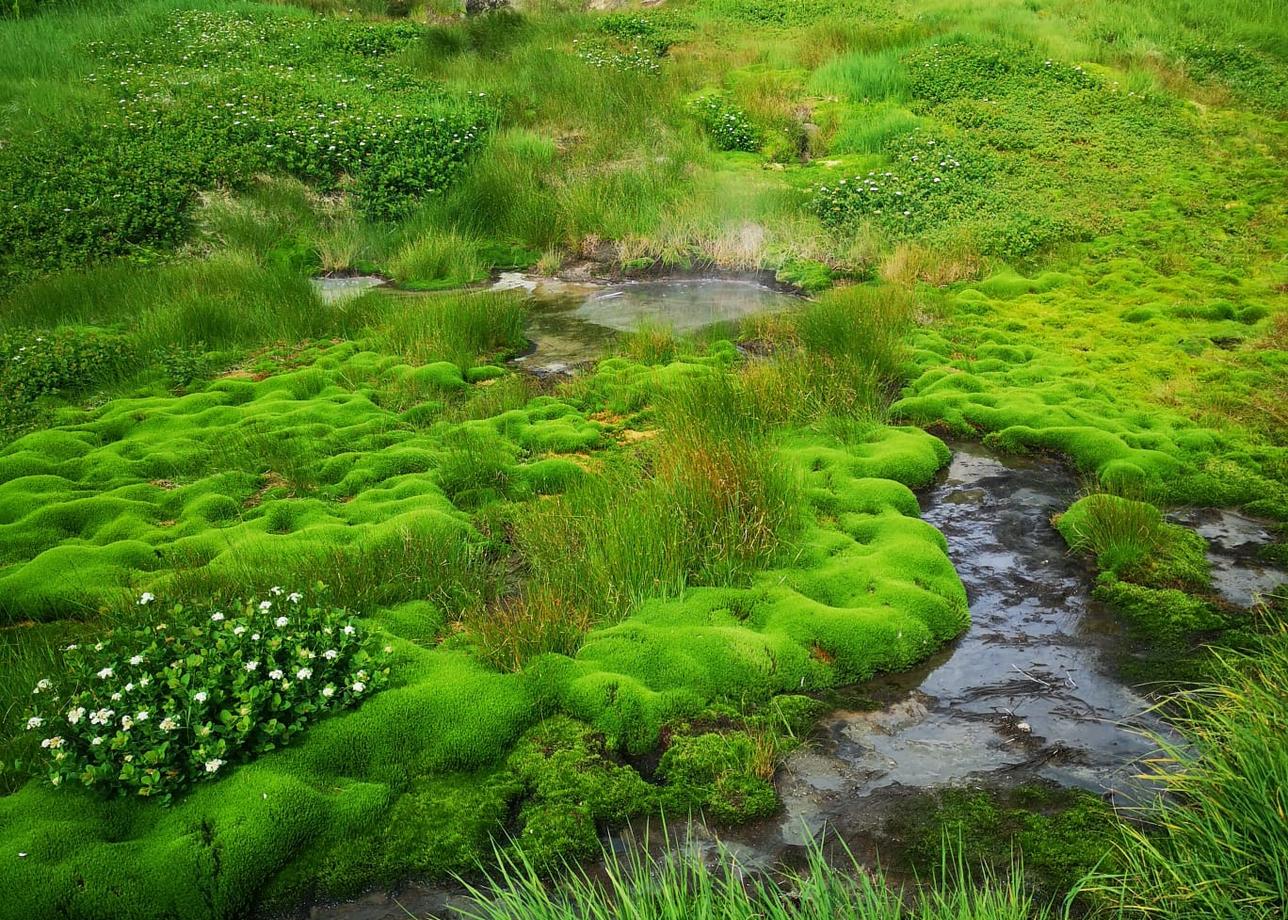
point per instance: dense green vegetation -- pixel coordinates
(1056, 225)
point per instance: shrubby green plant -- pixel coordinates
(65, 360)
(151, 709)
(208, 98)
(728, 126)
(656, 31)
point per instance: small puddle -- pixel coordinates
(1234, 540)
(572, 323)
(336, 288)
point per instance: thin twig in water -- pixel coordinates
(1036, 680)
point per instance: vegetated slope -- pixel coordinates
(1087, 198)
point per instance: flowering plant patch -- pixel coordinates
(603, 54)
(150, 709)
(929, 181)
(729, 127)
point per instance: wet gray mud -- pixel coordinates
(572, 323)
(1239, 576)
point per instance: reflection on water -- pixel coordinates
(575, 323)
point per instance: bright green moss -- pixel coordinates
(276, 477)
(1130, 539)
(1059, 834)
(309, 476)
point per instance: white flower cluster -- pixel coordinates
(163, 703)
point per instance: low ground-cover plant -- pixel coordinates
(613, 55)
(151, 709)
(63, 360)
(931, 180)
(203, 98)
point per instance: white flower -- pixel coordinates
(116, 697)
(328, 692)
(276, 590)
(75, 715)
(54, 742)
(238, 630)
(280, 622)
(303, 673)
(200, 696)
(141, 715)
(212, 766)
(71, 648)
(265, 605)
(105, 674)
(127, 723)
(254, 637)
(98, 646)
(146, 598)
(101, 716)
(330, 654)
(388, 649)
(129, 688)
(136, 660)
(252, 665)
(34, 722)
(56, 779)
(217, 617)
(295, 597)
(359, 686)
(43, 684)
(275, 674)
(144, 681)
(168, 724)
(349, 630)
(98, 739)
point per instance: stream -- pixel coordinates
(1030, 691)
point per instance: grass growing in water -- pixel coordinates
(1219, 848)
(715, 505)
(680, 885)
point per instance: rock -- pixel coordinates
(475, 7)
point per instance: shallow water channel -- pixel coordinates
(1029, 691)
(573, 323)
